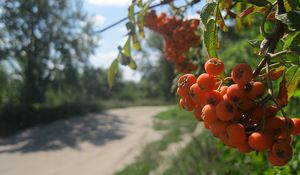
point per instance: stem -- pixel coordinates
(151, 7)
(273, 39)
(281, 53)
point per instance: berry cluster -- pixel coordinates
(238, 114)
(179, 36)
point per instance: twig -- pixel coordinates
(126, 18)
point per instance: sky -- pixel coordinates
(106, 12)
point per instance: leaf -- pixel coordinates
(255, 43)
(127, 48)
(220, 20)
(136, 42)
(276, 73)
(131, 13)
(259, 3)
(132, 64)
(282, 98)
(247, 11)
(291, 19)
(210, 38)
(205, 13)
(292, 41)
(293, 4)
(140, 20)
(293, 77)
(112, 72)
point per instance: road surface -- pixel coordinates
(98, 144)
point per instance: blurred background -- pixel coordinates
(54, 97)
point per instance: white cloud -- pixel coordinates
(109, 2)
(98, 20)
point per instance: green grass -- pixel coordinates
(206, 155)
(174, 122)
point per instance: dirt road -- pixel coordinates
(93, 145)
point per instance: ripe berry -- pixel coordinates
(206, 82)
(209, 113)
(186, 81)
(282, 151)
(296, 129)
(196, 94)
(257, 90)
(260, 141)
(225, 110)
(236, 133)
(235, 93)
(242, 74)
(214, 66)
(187, 103)
(213, 97)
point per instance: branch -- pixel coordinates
(126, 18)
(273, 39)
(151, 7)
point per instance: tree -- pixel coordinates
(43, 41)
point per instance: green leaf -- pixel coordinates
(205, 13)
(210, 38)
(291, 19)
(112, 72)
(293, 40)
(220, 20)
(131, 13)
(127, 48)
(255, 43)
(292, 77)
(293, 4)
(259, 3)
(132, 64)
(136, 42)
(141, 23)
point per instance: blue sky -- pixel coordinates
(106, 12)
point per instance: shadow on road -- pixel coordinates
(95, 129)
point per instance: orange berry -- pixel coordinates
(257, 91)
(236, 133)
(242, 74)
(209, 113)
(225, 110)
(276, 127)
(214, 66)
(296, 129)
(196, 94)
(206, 82)
(187, 103)
(181, 92)
(282, 151)
(274, 160)
(235, 93)
(186, 81)
(219, 126)
(213, 97)
(260, 141)
(244, 148)
(271, 111)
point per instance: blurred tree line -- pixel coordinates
(45, 73)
